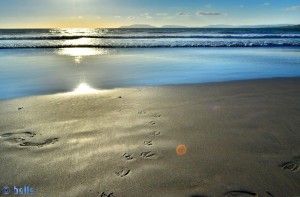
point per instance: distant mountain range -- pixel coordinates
(138, 26)
(213, 26)
(247, 26)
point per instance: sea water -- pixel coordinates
(49, 61)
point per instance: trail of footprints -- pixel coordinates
(292, 165)
(21, 138)
(145, 154)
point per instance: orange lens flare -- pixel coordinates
(181, 150)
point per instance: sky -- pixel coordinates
(116, 13)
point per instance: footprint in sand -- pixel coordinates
(147, 154)
(240, 194)
(122, 173)
(103, 194)
(142, 112)
(40, 144)
(155, 133)
(292, 165)
(148, 143)
(156, 115)
(128, 157)
(19, 108)
(151, 123)
(17, 137)
(24, 134)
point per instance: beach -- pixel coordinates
(147, 98)
(236, 138)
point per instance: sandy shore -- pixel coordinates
(222, 139)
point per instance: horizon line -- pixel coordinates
(153, 26)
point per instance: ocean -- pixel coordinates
(137, 38)
(49, 61)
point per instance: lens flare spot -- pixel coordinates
(181, 150)
(215, 107)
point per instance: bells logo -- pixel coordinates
(6, 190)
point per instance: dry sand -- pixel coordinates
(236, 139)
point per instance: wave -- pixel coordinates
(224, 36)
(160, 45)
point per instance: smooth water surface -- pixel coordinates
(26, 72)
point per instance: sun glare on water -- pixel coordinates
(73, 49)
(79, 47)
(80, 53)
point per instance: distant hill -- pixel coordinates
(151, 26)
(263, 26)
(247, 26)
(292, 26)
(214, 26)
(138, 26)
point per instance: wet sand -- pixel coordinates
(221, 139)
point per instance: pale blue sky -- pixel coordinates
(114, 13)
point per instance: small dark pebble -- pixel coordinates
(120, 97)
(19, 108)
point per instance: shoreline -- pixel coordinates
(217, 83)
(237, 138)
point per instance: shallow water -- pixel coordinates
(26, 72)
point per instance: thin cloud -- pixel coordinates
(147, 16)
(267, 4)
(131, 17)
(182, 14)
(293, 8)
(117, 16)
(200, 13)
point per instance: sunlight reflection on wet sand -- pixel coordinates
(84, 88)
